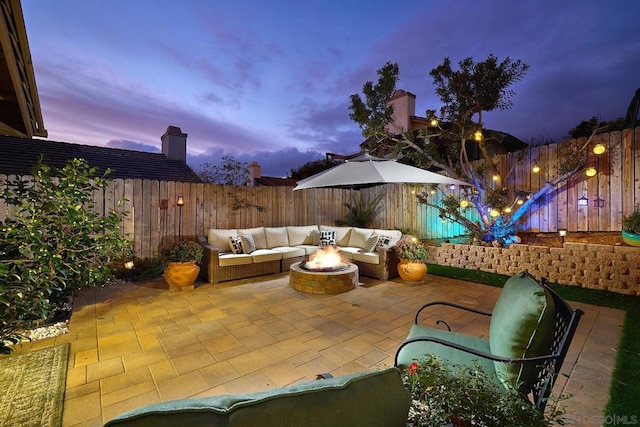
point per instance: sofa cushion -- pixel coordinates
(301, 234)
(359, 236)
(342, 234)
(235, 244)
(522, 325)
(289, 252)
(219, 238)
(276, 236)
(327, 237)
(258, 236)
(233, 259)
(368, 257)
(263, 255)
(373, 399)
(247, 243)
(308, 249)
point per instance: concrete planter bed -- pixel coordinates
(595, 266)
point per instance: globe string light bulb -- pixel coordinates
(591, 171)
(599, 149)
(535, 168)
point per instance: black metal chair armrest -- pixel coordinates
(472, 351)
(450, 304)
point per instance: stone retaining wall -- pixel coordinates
(605, 267)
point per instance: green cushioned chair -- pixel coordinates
(529, 335)
(373, 398)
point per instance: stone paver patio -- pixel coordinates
(136, 344)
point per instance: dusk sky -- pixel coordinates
(270, 80)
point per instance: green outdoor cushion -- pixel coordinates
(522, 325)
(450, 356)
(374, 398)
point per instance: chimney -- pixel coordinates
(404, 106)
(174, 144)
(254, 172)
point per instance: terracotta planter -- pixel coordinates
(181, 275)
(412, 271)
(631, 239)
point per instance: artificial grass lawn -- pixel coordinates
(625, 382)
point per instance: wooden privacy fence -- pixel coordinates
(153, 214)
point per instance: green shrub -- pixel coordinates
(182, 251)
(53, 245)
(143, 269)
(467, 396)
(631, 222)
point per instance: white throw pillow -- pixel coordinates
(235, 243)
(358, 237)
(276, 237)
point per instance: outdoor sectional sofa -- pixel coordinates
(274, 249)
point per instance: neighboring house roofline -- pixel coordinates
(20, 112)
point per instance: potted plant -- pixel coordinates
(631, 228)
(413, 257)
(181, 256)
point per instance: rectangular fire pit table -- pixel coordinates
(323, 282)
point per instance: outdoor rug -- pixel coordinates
(32, 387)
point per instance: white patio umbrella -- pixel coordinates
(368, 172)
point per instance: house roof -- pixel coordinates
(18, 155)
(20, 112)
(269, 181)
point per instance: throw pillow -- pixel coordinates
(247, 243)
(235, 243)
(371, 243)
(327, 238)
(315, 237)
(383, 241)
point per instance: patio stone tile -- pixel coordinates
(221, 343)
(76, 376)
(373, 359)
(85, 357)
(255, 381)
(81, 390)
(143, 358)
(182, 386)
(192, 361)
(317, 366)
(341, 353)
(133, 402)
(104, 369)
(172, 340)
(292, 347)
(257, 341)
(82, 409)
(283, 373)
(162, 371)
(250, 362)
(130, 392)
(130, 378)
(220, 373)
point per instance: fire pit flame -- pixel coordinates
(325, 259)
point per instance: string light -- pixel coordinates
(599, 149)
(464, 203)
(535, 168)
(477, 136)
(591, 171)
(496, 177)
(519, 201)
(494, 213)
(434, 122)
(507, 209)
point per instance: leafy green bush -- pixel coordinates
(411, 249)
(631, 222)
(360, 214)
(182, 251)
(53, 244)
(467, 396)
